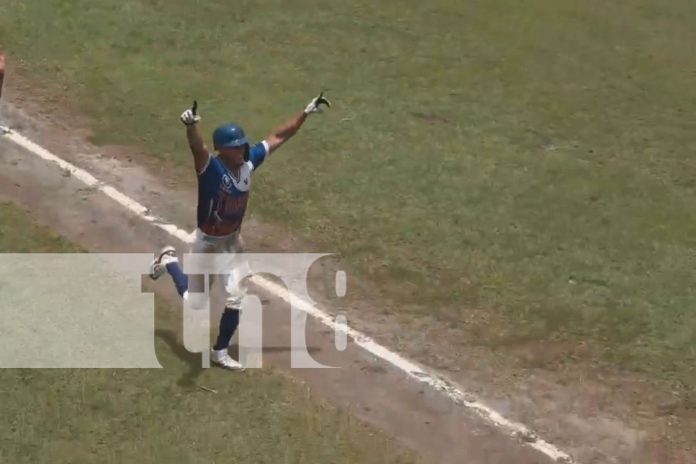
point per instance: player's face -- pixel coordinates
(234, 156)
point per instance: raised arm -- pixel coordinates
(285, 132)
(201, 155)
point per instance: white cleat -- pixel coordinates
(223, 359)
(4, 130)
(159, 264)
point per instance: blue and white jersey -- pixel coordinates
(222, 198)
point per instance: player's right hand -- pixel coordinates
(190, 116)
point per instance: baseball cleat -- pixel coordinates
(158, 266)
(223, 359)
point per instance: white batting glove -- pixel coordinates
(190, 116)
(315, 105)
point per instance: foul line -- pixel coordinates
(413, 370)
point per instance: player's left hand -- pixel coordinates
(315, 105)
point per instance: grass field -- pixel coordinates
(161, 415)
(531, 157)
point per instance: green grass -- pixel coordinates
(162, 415)
(531, 157)
(19, 234)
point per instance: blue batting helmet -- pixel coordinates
(229, 136)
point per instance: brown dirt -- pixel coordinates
(588, 409)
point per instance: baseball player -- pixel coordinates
(224, 180)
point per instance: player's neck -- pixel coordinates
(232, 164)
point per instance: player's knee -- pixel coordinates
(196, 301)
(233, 301)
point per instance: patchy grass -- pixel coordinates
(532, 157)
(162, 415)
(19, 234)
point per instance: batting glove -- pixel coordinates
(315, 105)
(190, 116)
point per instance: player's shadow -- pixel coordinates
(193, 360)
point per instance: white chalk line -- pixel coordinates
(410, 368)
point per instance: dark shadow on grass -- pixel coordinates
(287, 349)
(194, 361)
(234, 350)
